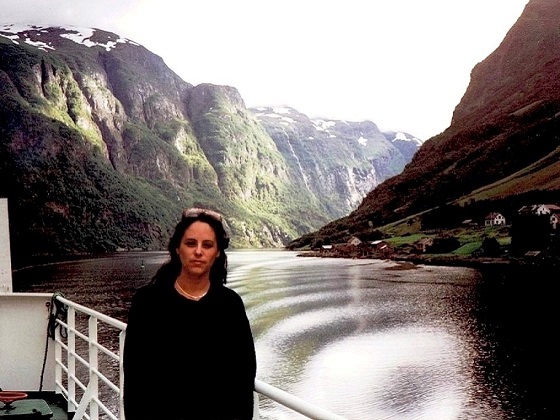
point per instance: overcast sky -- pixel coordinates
(403, 64)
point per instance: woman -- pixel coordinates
(189, 351)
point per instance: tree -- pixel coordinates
(490, 247)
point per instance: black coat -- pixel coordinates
(186, 359)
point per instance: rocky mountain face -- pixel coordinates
(338, 161)
(502, 148)
(102, 145)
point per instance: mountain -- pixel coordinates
(338, 161)
(102, 146)
(500, 152)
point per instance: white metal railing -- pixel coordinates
(78, 376)
(293, 402)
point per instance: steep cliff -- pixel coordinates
(503, 142)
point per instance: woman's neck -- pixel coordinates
(192, 288)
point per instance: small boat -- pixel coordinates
(61, 360)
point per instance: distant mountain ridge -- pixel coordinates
(102, 145)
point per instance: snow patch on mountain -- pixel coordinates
(28, 34)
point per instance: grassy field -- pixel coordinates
(470, 238)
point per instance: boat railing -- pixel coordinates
(92, 392)
(78, 375)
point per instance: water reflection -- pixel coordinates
(515, 312)
(409, 372)
(367, 342)
(361, 338)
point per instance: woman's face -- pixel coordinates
(198, 249)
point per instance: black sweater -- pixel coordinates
(186, 359)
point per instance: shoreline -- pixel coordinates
(455, 260)
(410, 261)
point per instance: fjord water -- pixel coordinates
(365, 339)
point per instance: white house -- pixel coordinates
(543, 209)
(494, 219)
(539, 209)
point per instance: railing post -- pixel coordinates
(58, 387)
(93, 366)
(71, 359)
(122, 336)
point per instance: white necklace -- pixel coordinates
(187, 294)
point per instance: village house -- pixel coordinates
(423, 244)
(543, 209)
(494, 219)
(539, 209)
(381, 247)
